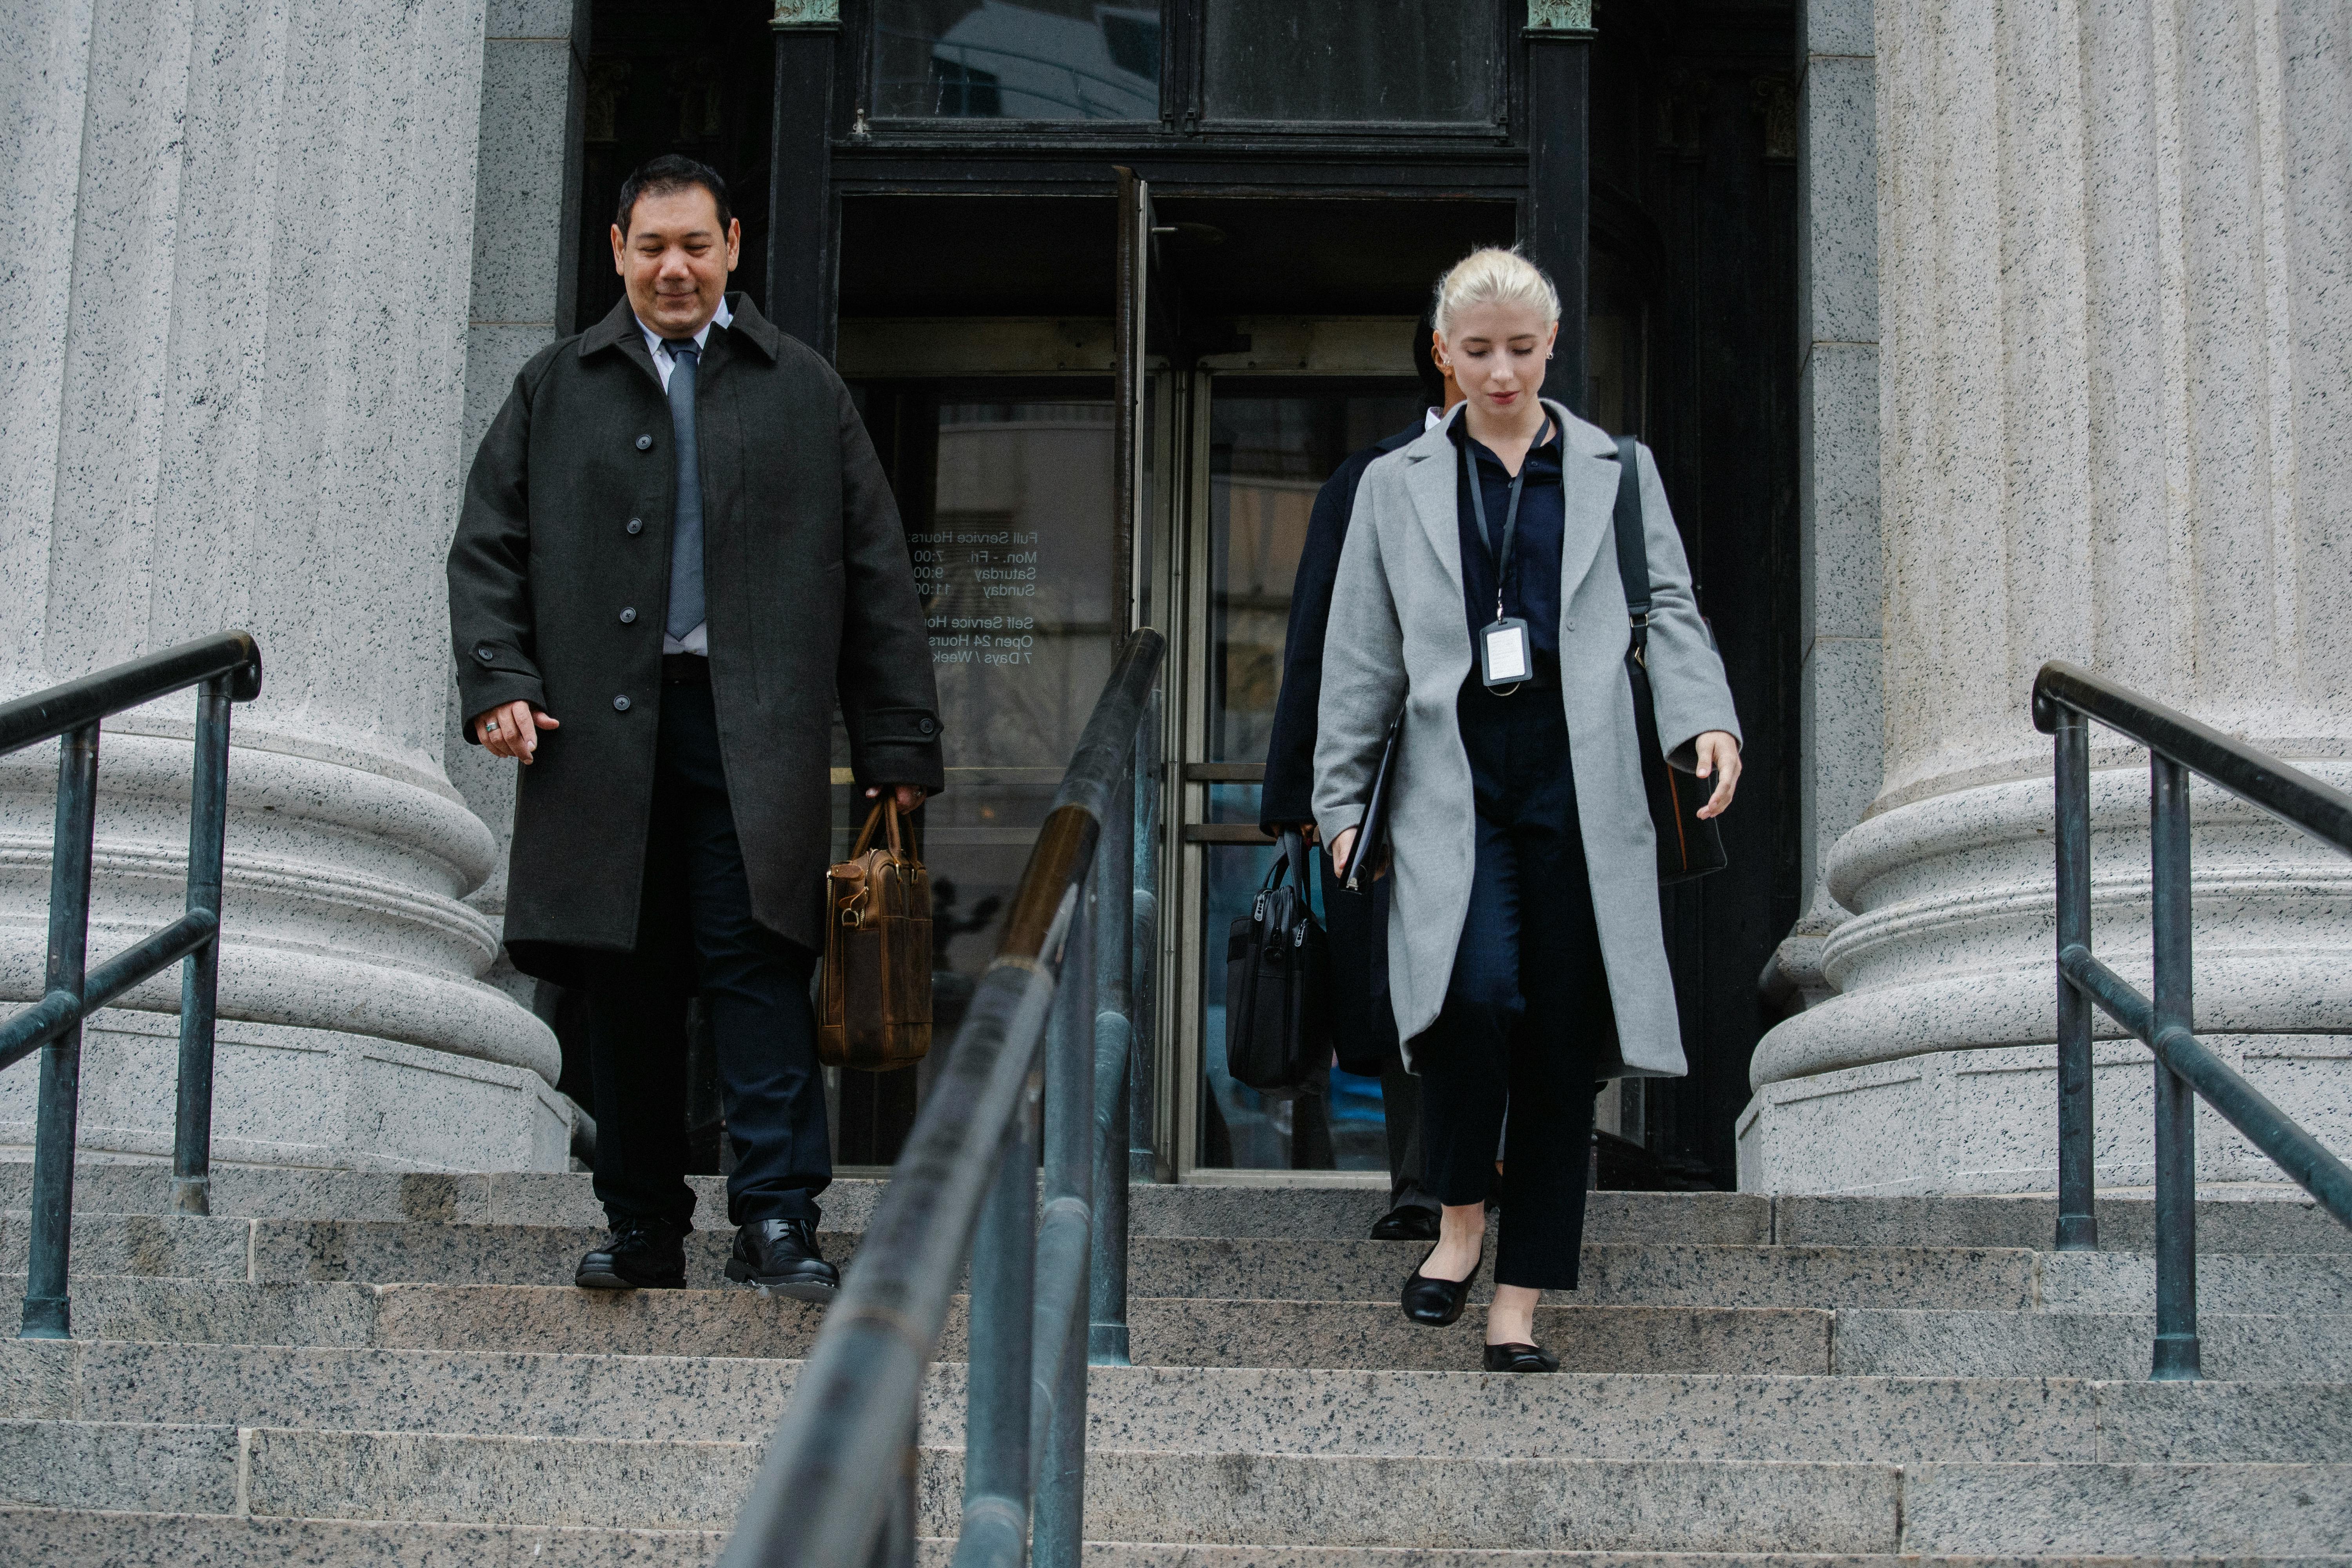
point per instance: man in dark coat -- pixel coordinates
(677, 553)
(1358, 923)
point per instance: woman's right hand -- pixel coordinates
(1341, 848)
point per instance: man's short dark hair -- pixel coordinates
(1424, 363)
(666, 175)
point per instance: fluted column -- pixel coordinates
(2116, 329)
(235, 359)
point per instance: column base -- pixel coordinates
(1986, 1121)
(319, 1099)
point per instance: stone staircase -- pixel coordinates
(355, 1368)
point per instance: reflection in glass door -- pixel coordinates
(1269, 444)
(1005, 487)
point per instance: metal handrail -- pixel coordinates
(226, 669)
(838, 1488)
(2066, 701)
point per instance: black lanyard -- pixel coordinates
(1510, 515)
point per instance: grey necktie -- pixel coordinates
(686, 528)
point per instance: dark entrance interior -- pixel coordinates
(899, 185)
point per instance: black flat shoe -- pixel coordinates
(1406, 1222)
(641, 1254)
(1521, 1358)
(781, 1257)
(1435, 1303)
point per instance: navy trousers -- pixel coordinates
(696, 935)
(1526, 1009)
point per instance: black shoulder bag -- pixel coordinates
(1278, 982)
(1687, 847)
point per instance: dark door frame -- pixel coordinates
(827, 147)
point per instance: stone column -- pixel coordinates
(2116, 334)
(526, 268)
(236, 388)
(1841, 722)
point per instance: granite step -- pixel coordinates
(740, 1322)
(79, 1537)
(2126, 1224)
(2234, 1282)
(1199, 1333)
(58, 1538)
(1233, 1498)
(552, 1198)
(1465, 1415)
(1229, 1268)
(1223, 1267)
(2247, 1347)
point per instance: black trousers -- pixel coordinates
(1527, 1006)
(1358, 926)
(695, 935)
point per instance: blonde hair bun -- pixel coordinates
(1495, 277)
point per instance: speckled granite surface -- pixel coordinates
(80, 1539)
(1742, 1377)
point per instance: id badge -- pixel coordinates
(1503, 656)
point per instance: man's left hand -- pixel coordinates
(908, 796)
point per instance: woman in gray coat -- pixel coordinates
(1479, 593)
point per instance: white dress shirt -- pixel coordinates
(698, 639)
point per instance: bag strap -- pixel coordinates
(1294, 853)
(890, 804)
(1633, 549)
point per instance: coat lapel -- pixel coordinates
(1588, 480)
(1587, 483)
(1430, 481)
(619, 331)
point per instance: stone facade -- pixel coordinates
(2116, 334)
(1841, 722)
(2074, 332)
(237, 396)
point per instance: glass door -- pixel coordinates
(1260, 449)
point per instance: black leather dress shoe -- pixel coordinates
(1406, 1222)
(1521, 1358)
(641, 1254)
(781, 1256)
(1434, 1303)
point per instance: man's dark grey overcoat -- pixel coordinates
(559, 580)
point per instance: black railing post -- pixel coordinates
(192, 1141)
(1057, 1420)
(2176, 1356)
(996, 1391)
(1113, 879)
(49, 1310)
(2078, 1224)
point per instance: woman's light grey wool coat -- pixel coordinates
(1398, 636)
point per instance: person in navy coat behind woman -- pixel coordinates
(1356, 922)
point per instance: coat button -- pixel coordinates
(620, 705)
(486, 653)
(644, 443)
(637, 525)
(926, 724)
(627, 617)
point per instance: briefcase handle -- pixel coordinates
(888, 805)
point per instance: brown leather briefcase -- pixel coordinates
(874, 1011)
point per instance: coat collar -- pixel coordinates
(619, 331)
(1588, 482)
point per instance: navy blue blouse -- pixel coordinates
(1531, 586)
